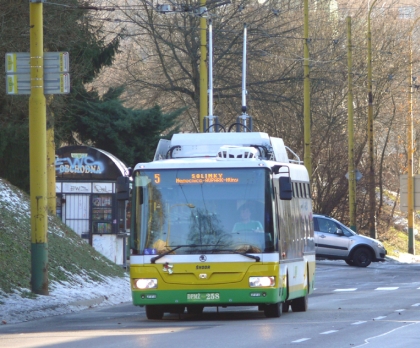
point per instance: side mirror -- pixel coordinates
(339, 232)
(123, 188)
(285, 188)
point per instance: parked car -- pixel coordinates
(334, 241)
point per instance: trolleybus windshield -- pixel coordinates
(204, 211)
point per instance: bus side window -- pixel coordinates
(285, 188)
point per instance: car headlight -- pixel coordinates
(261, 282)
(145, 283)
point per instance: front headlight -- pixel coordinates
(261, 282)
(145, 283)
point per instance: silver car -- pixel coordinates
(334, 241)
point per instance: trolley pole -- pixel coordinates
(307, 158)
(38, 154)
(352, 172)
(203, 68)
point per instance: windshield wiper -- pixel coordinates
(256, 258)
(154, 259)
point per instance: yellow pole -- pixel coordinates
(307, 159)
(352, 173)
(410, 146)
(203, 69)
(371, 173)
(38, 155)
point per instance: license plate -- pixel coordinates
(203, 296)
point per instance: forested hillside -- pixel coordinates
(127, 56)
(159, 60)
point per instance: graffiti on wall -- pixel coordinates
(78, 163)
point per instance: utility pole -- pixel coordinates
(352, 172)
(371, 174)
(203, 66)
(307, 158)
(410, 150)
(38, 153)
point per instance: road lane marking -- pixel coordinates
(399, 310)
(358, 322)
(368, 340)
(379, 318)
(388, 288)
(301, 340)
(328, 332)
(415, 305)
(350, 289)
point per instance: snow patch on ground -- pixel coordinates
(63, 298)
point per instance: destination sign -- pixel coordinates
(207, 178)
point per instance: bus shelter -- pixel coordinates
(86, 180)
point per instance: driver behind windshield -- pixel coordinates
(246, 224)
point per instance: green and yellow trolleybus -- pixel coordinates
(221, 219)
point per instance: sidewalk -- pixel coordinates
(406, 258)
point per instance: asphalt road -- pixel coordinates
(377, 306)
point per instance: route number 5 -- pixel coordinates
(157, 178)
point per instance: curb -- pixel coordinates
(405, 258)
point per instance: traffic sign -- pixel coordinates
(54, 62)
(54, 83)
(404, 192)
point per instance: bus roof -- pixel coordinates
(190, 145)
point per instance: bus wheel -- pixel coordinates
(286, 306)
(195, 310)
(154, 312)
(300, 304)
(273, 310)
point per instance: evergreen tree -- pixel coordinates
(130, 135)
(81, 116)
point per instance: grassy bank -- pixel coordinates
(70, 259)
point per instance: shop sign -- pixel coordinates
(102, 187)
(76, 187)
(79, 163)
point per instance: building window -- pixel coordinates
(102, 214)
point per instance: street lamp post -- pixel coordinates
(371, 174)
(410, 183)
(306, 92)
